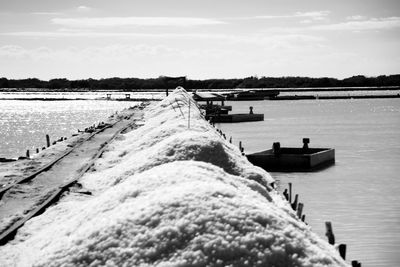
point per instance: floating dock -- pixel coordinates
(219, 113)
(229, 118)
(289, 159)
(250, 95)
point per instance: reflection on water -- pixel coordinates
(89, 95)
(360, 193)
(24, 124)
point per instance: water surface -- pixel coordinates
(24, 124)
(360, 194)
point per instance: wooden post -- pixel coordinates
(286, 195)
(303, 217)
(48, 140)
(294, 204)
(272, 184)
(240, 145)
(189, 115)
(230, 140)
(37, 150)
(300, 210)
(306, 141)
(27, 154)
(276, 148)
(342, 251)
(290, 192)
(355, 264)
(329, 233)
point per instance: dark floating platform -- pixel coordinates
(250, 95)
(235, 117)
(7, 160)
(289, 159)
(220, 113)
(316, 97)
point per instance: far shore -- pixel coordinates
(139, 90)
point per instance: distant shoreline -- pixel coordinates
(161, 83)
(281, 89)
(320, 93)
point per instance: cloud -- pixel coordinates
(269, 39)
(90, 34)
(315, 15)
(356, 17)
(13, 51)
(83, 9)
(309, 16)
(362, 25)
(111, 52)
(134, 21)
(46, 13)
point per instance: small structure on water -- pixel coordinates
(252, 95)
(288, 159)
(220, 113)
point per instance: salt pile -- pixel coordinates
(166, 195)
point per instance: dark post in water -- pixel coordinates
(329, 233)
(48, 140)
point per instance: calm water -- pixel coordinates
(89, 95)
(361, 193)
(24, 124)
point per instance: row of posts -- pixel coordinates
(47, 145)
(298, 208)
(241, 148)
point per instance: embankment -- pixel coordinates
(170, 193)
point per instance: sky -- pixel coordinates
(82, 39)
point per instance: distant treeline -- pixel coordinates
(163, 82)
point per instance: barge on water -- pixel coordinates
(250, 95)
(289, 159)
(220, 113)
(235, 117)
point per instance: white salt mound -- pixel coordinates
(167, 196)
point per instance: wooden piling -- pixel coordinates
(329, 233)
(300, 210)
(303, 217)
(355, 264)
(48, 140)
(230, 140)
(294, 204)
(285, 194)
(290, 192)
(37, 150)
(342, 251)
(27, 154)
